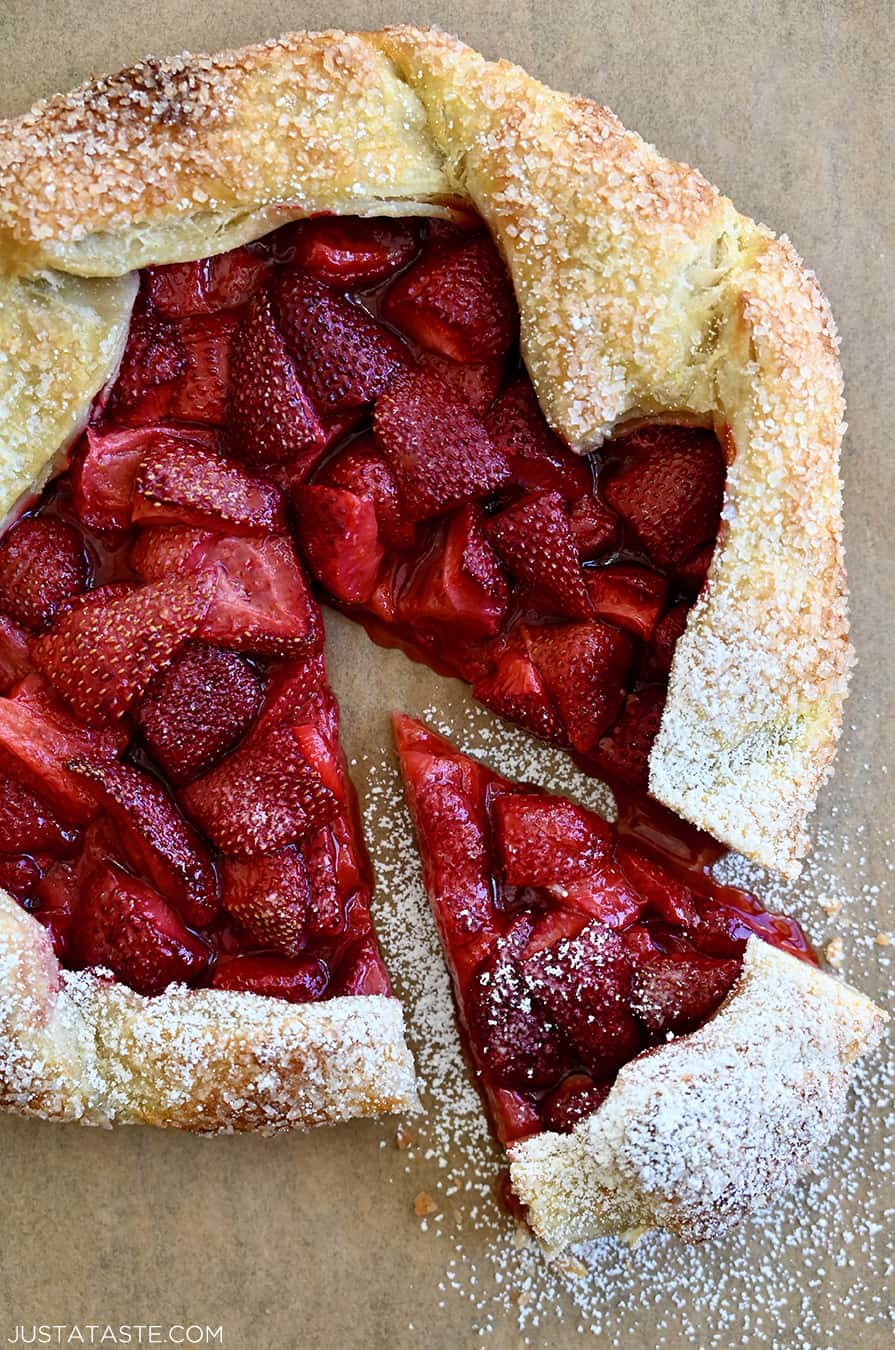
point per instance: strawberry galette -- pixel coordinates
(370, 314)
(654, 1048)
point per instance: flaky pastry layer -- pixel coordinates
(75, 1046)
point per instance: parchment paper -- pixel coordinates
(312, 1241)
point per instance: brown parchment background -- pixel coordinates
(310, 1241)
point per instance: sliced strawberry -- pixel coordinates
(667, 483)
(540, 460)
(202, 391)
(154, 837)
(631, 597)
(262, 604)
(104, 476)
(594, 526)
(450, 828)
(197, 708)
(18, 876)
(159, 553)
(38, 737)
(606, 894)
(475, 381)
(454, 854)
(457, 300)
(271, 417)
(153, 359)
(295, 981)
(691, 574)
(724, 930)
(102, 656)
(179, 482)
(550, 926)
(576, 1097)
(535, 540)
(668, 631)
(43, 563)
(441, 453)
(583, 666)
(322, 757)
(362, 468)
(624, 751)
(105, 472)
(339, 536)
(643, 942)
(668, 897)
(361, 972)
(460, 589)
(544, 840)
(678, 991)
(349, 251)
(298, 695)
(515, 690)
(269, 897)
(182, 289)
(57, 893)
(344, 357)
(123, 925)
(326, 865)
(15, 660)
(516, 1044)
(584, 983)
(262, 796)
(29, 825)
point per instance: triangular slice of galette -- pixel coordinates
(653, 1048)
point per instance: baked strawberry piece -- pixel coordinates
(573, 945)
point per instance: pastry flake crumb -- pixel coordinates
(834, 952)
(571, 1266)
(424, 1205)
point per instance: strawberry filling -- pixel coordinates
(573, 945)
(344, 396)
(176, 805)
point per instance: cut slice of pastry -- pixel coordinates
(653, 1048)
(529, 399)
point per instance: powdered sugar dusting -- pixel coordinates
(770, 1283)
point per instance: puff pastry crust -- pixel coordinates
(704, 1130)
(74, 1046)
(642, 293)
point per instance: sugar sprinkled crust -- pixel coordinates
(642, 293)
(74, 1046)
(174, 159)
(710, 1127)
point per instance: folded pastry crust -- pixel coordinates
(642, 294)
(75, 1046)
(702, 1131)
